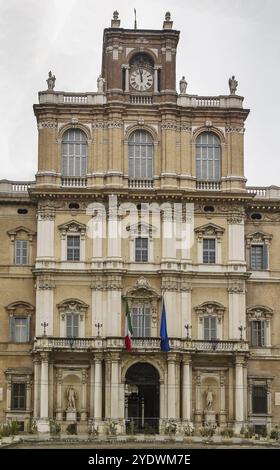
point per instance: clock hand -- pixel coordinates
(141, 74)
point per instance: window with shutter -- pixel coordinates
(21, 252)
(141, 321)
(141, 250)
(258, 257)
(74, 153)
(18, 396)
(72, 325)
(210, 328)
(208, 157)
(73, 248)
(259, 399)
(209, 250)
(258, 333)
(140, 155)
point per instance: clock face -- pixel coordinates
(141, 79)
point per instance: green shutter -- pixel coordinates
(265, 256)
(12, 328)
(28, 329)
(263, 332)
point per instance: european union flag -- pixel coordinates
(164, 340)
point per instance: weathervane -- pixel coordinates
(135, 19)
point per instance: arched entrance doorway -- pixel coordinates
(142, 398)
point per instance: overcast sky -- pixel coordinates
(219, 38)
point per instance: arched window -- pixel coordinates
(140, 155)
(74, 153)
(208, 157)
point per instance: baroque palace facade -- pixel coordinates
(137, 147)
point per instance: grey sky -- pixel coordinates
(218, 38)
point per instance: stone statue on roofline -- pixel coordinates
(51, 81)
(233, 83)
(183, 85)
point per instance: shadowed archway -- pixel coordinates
(142, 398)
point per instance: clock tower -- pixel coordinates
(140, 65)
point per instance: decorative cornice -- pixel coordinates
(48, 124)
(235, 130)
(175, 127)
(107, 125)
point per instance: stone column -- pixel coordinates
(44, 405)
(9, 393)
(187, 389)
(84, 396)
(115, 385)
(98, 387)
(126, 67)
(223, 415)
(59, 403)
(198, 411)
(43, 422)
(171, 408)
(108, 386)
(91, 389)
(37, 367)
(156, 79)
(162, 414)
(28, 394)
(51, 389)
(239, 393)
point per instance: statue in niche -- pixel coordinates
(209, 399)
(71, 398)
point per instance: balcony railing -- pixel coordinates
(263, 192)
(140, 184)
(139, 344)
(15, 186)
(218, 345)
(208, 185)
(138, 99)
(73, 182)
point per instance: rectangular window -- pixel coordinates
(210, 328)
(258, 333)
(72, 325)
(141, 250)
(21, 330)
(141, 321)
(209, 251)
(73, 248)
(21, 255)
(18, 396)
(259, 399)
(259, 259)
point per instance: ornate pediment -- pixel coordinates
(258, 237)
(142, 290)
(72, 227)
(14, 233)
(20, 308)
(259, 312)
(210, 309)
(72, 306)
(209, 230)
(142, 229)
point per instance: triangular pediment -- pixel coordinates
(210, 229)
(72, 226)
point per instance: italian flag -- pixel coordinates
(128, 329)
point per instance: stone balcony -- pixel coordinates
(221, 101)
(46, 343)
(73, 99)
